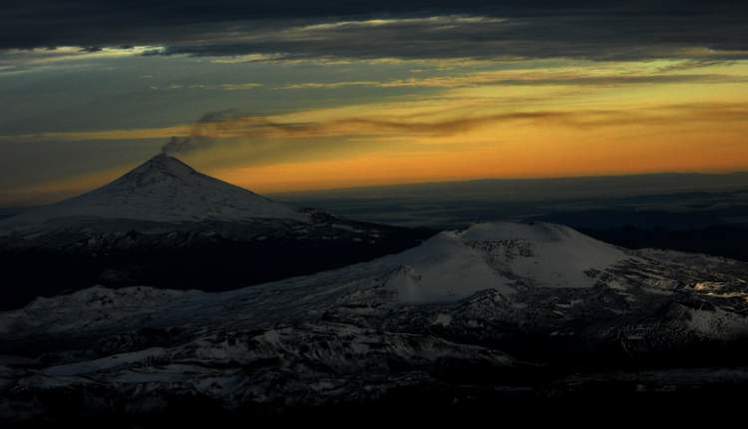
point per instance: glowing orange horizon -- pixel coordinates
(474, 128)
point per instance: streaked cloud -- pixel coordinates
(584, 36)
(240, 86)
(437, 21)
(537, 78)
(20, 59)
(232, 126)
(602, 32)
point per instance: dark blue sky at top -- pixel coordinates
(96, 23)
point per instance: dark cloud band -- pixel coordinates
(291, 30)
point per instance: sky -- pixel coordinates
(285, 95)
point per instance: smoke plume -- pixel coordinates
(203, 132)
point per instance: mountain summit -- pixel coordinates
(164, 189)
(166, 225)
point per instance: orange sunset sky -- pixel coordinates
(276, 122)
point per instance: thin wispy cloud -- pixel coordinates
(230, 125)
(517, 79)
(20, 59)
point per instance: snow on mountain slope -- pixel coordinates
(552, 255)
(163, 189)
(461, 304)
(507, 258)
(90, 308)
(501, 256)
(443, 269)
(446, 270)
(449, 267)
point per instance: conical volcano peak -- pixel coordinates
(167, 162)
(160, 167)
(165, 189)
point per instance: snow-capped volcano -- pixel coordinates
(163, 189)
(164, 224)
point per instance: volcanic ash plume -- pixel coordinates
(202, 135)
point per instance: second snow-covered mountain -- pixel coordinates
(487, 315)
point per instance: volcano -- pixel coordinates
(165, 224)
(163, 189)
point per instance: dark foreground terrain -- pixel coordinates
(704, 395)
(503, 320)
(209, 256)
